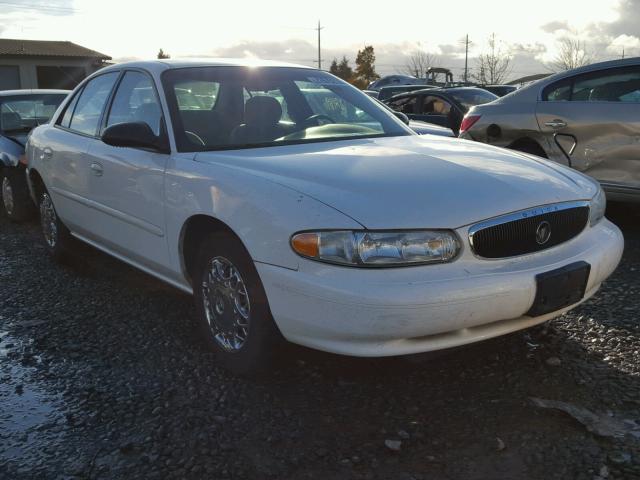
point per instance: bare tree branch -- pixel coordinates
(572, 53)
(419, 62)
(494, 65)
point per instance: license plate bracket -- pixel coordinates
(560, 288)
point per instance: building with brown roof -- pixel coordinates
(46, 64)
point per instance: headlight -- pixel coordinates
(597, 207)
(377, 248)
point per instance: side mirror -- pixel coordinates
(403, 117)
(136, 135)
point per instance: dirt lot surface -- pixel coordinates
(102, 376)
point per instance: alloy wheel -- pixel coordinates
(7, 195)
(226, 304)
(48, 220)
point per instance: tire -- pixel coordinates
(57, 238)
(16, 201)
(233, 311)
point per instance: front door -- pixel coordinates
(435, 109)
(127, 184)
(593, 121)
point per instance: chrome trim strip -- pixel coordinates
(521, 214)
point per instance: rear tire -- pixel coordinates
(16, 201)
(57, 237)
(232, 307)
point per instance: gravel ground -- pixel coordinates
(102, 376)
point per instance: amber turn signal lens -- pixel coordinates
(307, 244)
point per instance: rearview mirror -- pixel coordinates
(403, 117)
(135, 135)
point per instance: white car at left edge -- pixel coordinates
(293, 206)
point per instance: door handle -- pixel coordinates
(556, 124)
(47, 153)
(97, 170)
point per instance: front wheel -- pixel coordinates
(57, 238)
(232, 307)
(16, 201)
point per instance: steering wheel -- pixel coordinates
(315, 119)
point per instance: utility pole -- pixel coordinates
(623, 53)
(319, 55)
(466, 58)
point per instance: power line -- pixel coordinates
(319, 53)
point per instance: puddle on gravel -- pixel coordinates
(29, 416)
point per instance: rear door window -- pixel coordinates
(86, 115)
(404, 104)
(611, 85)
(432, 105)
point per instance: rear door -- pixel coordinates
(63, 151)
(593, 120)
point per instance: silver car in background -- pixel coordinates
(587, 118)
(20, 112)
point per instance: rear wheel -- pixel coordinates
(16, 201)
(233, 313)
(57, 238)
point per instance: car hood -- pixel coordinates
(412, 181)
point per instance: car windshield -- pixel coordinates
(22, 113)
(230, 107)
(471, 97)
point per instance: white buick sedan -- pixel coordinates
(295, 207)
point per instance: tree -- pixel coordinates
(419, 62)
(365, 65)
(341, 70)
(572, 53)
(493, 65)
(162, 55)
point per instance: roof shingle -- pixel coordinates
(46, 48)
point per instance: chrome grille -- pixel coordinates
(529, 231)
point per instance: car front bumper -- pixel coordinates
(398, 311)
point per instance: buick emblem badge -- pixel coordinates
(543, 232)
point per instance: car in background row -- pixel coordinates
(421, 128)
(500, 90)
(441, 106)
(393, 80)
(587, 118)
(20, 112)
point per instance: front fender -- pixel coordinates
(262, 213)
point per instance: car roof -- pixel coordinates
(13, 93)
(168, 64)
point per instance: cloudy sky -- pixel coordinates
(284, 29)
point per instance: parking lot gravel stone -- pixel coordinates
(102, 376)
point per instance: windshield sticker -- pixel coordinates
(326, 81)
